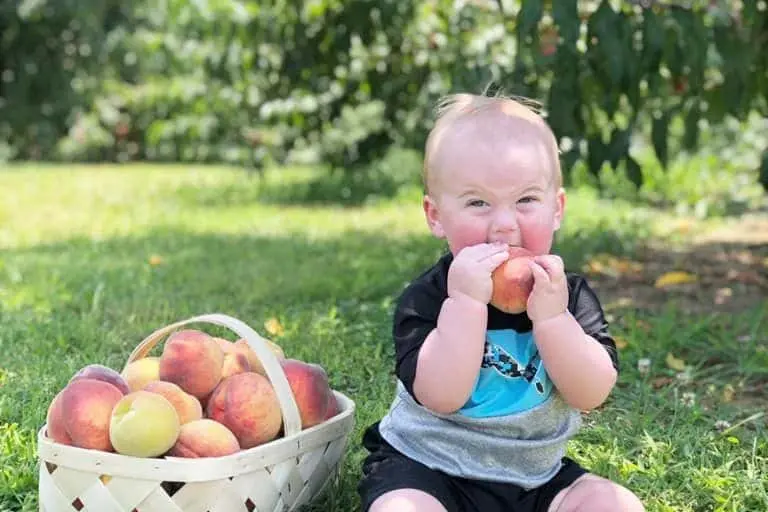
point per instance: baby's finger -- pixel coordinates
(552, 264)
(539, 274)
(492, 261)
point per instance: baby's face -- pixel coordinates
(490, 190)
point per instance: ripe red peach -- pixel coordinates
(513, 282)
(192, 360)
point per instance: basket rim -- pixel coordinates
(202, 469)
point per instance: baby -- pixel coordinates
(486, 401)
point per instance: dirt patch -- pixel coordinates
(721, 270)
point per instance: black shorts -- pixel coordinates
(385, 469)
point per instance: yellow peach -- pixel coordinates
(143, 424)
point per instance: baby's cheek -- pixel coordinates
(537, 236)
(465, 235)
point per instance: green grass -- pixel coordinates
(77, 287)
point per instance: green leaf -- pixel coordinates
(653, 41)
(528, 18)
(660, 136)
(763, 177)
(618, 147)
(569, 159)
(605, 26)
(691, 135)
(565, 14)
(596, 153)
(634, 171)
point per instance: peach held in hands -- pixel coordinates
(513, 282)
(247, 405)
(141, 372)
(309, 384)
(79, 415)
(192, 360)
(187, 406)
(143, 424)
(204, 438)
(100, 372)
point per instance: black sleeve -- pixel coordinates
(414, 318)
(586, 309)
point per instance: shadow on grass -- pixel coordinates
(315, 186)
(189, 272)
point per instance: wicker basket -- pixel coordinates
(281, 475)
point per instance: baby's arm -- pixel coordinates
(450, 357)
(578, 365)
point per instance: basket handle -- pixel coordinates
(290, 411)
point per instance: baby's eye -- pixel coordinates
(528, 199)
(476, 203)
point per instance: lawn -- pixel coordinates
(94, 258)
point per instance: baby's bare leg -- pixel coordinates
(591, 493)
(406, 500)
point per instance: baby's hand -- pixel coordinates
(470, 272)
(549, 296)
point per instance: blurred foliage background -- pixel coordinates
(340, 83)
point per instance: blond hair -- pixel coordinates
(453, 108)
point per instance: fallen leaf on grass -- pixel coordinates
(675, 277)
(728, 393)
(610, 265)
(155, 260)
(674, 362)
(274, 327)
(660, 382)
(621, 343)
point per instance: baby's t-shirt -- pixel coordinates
(514, 427)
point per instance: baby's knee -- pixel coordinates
(406, 500)
(595, 494)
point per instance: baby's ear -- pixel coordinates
(559, 208)
(433, 217)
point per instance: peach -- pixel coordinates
(55, 428)
(79, 415)
(100, 372)
(332, 407)
(143, 424)
(242, 345)
(192, 360)
(204, 438)
(141, 372)
(187, 406)
(247, 405)
(309, 384)
(513, 282)
(225, 345)
(234, 363)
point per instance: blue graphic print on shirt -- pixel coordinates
(512, 377)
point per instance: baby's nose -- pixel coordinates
(505, 220)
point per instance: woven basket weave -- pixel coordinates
(281, 475)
